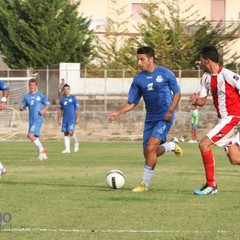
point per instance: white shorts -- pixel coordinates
(225, 133)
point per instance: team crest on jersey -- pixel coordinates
(150, 87)
(70, 100)
(236, 77)
(159, 78)
(38, 98)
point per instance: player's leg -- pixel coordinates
(66, 143)
(3, 170)
(233, 150)
(169, 147)
(73, 136)
(148, 170)
(210, 187)
(154, 134)
(220, 135)
(34, 136)
(234, 154)
(162, 134)
(66, 138)
(150, 163)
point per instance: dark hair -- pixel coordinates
(33, 80)
(65, 85)
(146, 50)
(211, 53)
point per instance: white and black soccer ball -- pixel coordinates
(115, 179)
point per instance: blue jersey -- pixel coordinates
(157, 89)
(35, 102)
(69, 105)
(4, 86)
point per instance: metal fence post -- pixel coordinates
(105, 89)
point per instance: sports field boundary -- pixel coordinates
(104, 230)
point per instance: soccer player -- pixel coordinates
(5, 89)
(37, 104)
(69, 113)
(194, 121)
(161, 93)
(224, 86)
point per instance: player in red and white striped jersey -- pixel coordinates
(224, 85)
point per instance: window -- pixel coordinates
(137, 8)
(217, 10)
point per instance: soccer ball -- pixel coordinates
(115, 179)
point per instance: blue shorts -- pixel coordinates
(35, 128)
(194, 126)
(158, 129)
(68, 127)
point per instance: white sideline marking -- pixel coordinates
(100, 231)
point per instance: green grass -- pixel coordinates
(68, 192)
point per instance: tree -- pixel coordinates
(111, 47)
(38, 33)
(220, 36)
(165, 27)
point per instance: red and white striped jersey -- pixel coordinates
(225, 89)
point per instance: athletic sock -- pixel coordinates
(209, 165)
(147, 175)
(38, 144)
(67, 143)
(1, 166)
(74, 137)
(169, 146)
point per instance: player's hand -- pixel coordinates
(2, 105)
(168, 116)
(42, 112)
(194, 97)
(21, 107)
(112, 116)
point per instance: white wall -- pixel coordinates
(120, 86)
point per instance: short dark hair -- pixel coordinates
(65, 85)
(146, 50)
(211, 53)
(33, 80)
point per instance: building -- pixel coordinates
(227, 11)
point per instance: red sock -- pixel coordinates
(209, 165)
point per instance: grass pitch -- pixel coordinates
(66, 197)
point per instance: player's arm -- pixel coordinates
(60, 115)
(176, 98)
(3, 101)
(200, 101)
(78, 116)
(23, 104)
(42, 111)
(125, 108)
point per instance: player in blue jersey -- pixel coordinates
(69, 114)
(161, 94)
(5, 89)
(37, 104)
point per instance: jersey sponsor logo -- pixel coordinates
(220, 135)
(236, 77)
(150, 87)
(161, 130)
(159, 78)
